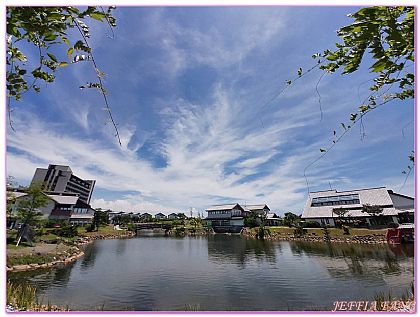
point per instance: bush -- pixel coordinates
(179, 231)
(131, 227)
(300, 232)
(67, 231)
(327, 236)
(311, 224)
(346, 230)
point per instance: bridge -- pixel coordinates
(144, 226)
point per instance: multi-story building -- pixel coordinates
(322, 207)
(60, 179)
(65, 206)
(226, 218)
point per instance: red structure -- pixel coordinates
(402, 234)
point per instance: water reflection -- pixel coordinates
(239, 248)
(357, 260)
(222, 272)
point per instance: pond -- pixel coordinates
(222, 272)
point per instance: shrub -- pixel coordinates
(179, 231)
(67, 231)
(327, 236)
(312, 224)
(300, 232)
(346, 230)
(131, 227)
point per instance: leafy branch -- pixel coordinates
(45, 28)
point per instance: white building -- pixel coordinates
(160, 216)
(60, 178)
(63, 206)
(226, 218)
(395, 207)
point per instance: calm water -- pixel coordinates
(222, 273)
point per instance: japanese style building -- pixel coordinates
(322, 207)
(226, 218)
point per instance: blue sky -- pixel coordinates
(187, 87)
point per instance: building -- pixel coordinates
(160, 216)
(261, 209)
(226, 218)
(60, 179)
(64, 207)
(173, 216)
(321, 205)
(146, 216)
(272, 220)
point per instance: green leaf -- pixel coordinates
(98, 16)
(63, 64)
(70, 52)
(52, 57)
(50, 37)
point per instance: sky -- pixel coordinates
(204, 119)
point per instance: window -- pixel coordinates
(336, 200)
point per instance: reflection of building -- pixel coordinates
(395, 207)
(60, 179)
(226, 218)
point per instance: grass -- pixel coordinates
(29, 259)
(21, 296)
(108, 230)
(334, 232)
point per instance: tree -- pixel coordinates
(340, 212)
(28, 206)
(251, 220)
(28, 211)
(386, 35)
(100, 218)
(372, 210)
(49, 29)
(290, 219)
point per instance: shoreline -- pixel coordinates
(246, 232)
(366, 239)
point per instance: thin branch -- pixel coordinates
(108, 109)
(402, 130)
(319, 95)
(283, 89)
(109, 24)
(325, 152)
(406, 177)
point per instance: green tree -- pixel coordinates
(290, 219)
(100, 218)
(28, 206)
(49, 30)
(384, 37)
(251, 220)
(373, 211)
(340, 212)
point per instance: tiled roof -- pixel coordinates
(223, 207)
(256, 207)
(64, 200)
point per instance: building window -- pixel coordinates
(336, 200)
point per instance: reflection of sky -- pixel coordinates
(222, 272)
